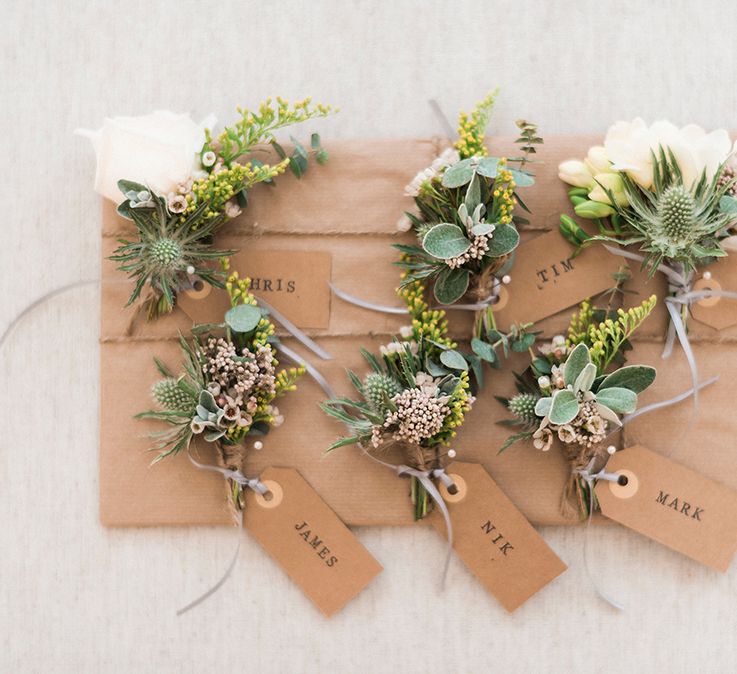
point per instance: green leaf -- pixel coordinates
(473, 194)
(522, 178)
(482, 229)
(488, 167)
(503, 241)
(315, 141)
(620, 400)
(728, 204)
(564, 407)
(128, 185)
(445, 241)
(459, 174)
(321, 156)
(243, 318)
(585, 379)
(636, 378)
(483, 350)
(577, 361)
(542, 407)
(451, 285)
(454, 360)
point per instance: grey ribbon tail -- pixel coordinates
(41, 300)
(442, 118)
(424, 477)
(670, 401)
(252, 483)
(293, 330)
(310, 369)
(357, 301)
(589, 478)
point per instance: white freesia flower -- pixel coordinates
(597, 160)
(612, 182)
(158, 150)
(629, 146)
(575, 172)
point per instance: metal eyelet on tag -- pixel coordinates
(277, 494)
(199, 291)
(707, 284)
(627, 490)
(460, 484)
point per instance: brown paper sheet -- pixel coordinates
(348, 209)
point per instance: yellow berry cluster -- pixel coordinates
(504, 199)
(426, 323)
(460, 403)
(472, 128)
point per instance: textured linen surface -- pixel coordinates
(75, 597)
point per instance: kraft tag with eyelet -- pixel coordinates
(494, 539)
(717, 312)
(295, 283)
(673, 505)
(300, 532)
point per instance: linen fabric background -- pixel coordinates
(75, 597)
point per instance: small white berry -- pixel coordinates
(707, 275)
(258, 444)
(190, 270)
(451, 453)
(506, 279)
(611, 449)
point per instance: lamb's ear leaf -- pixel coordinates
(504, 240)
(620, 400)
(445, 241)
(459, 174)
(451, 285)
(607, 414)
(585, 380)
(578, 359)
(564, 407)
(636, 378)
(542, 407)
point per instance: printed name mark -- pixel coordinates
(321, 550)
(498, 539)
(553, 271)
(683, 507)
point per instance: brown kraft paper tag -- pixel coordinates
(545, 279)
(717, 312)
(493, 538)
(300, 532)
(672, 505)
(295, 283)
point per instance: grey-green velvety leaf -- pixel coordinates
(482, 229)
(503, 241)
(620, 400)
(564, 407)
(473, 194)
(451, 285)
(483, 350)
(459, 174)
(608, 414)
(585, 379)
(577, 361)
(633, 377)
(728, 204)
(445, 241)
(488, 167)
(454, 360)
(542, 407)
(243, 318)
(521, 178)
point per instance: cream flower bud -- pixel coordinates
(597, 160)
(612, 182)
(574, 172)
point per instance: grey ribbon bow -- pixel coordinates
(251, 483)
(424, 476)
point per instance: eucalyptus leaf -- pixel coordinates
(503, 241)
(445, 241)
(451, 285)
(521, 178)
(459, 174)
(564, 407)
(620, 400)
(636, 378)
(454, 360)
(243, 318)
(483, 350)
(488, 167)
(578, 359)
(542, 407)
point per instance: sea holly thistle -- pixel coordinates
(229, 383)
(576, 390)
(465, 224)
(415, 395)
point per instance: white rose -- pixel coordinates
(158, 150)
(629, 146)
(575, 172)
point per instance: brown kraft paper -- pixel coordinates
(348, 233)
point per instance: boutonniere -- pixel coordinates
(575, 392)
(664, 197)
(179, 184)
(466, 227)
(415, 397)
(227, 390)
